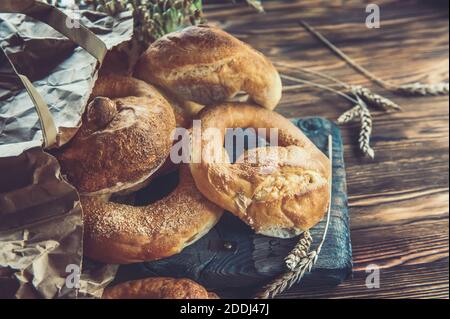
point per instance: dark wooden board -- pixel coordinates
(231, 255)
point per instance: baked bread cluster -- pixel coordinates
(125, 141)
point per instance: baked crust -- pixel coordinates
(283, 191)
(158, 288)
(120, 234)
(185, 111)
(207, 65)
(122, 140)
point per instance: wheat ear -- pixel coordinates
(374, 99)
(288, 279)
(366, 129)
(299, 252)
(349, 115)
(424, 89)
(256, 4)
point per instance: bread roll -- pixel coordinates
(283, 191)
(158, 288)
(207, 65)
(122, 140)
(122, 234)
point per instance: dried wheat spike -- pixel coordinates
(424, 89)
(277, 286)
(300, 251)
(256, 4)
(288, 279)
(374, 99)
(349, 115)
(366, 132)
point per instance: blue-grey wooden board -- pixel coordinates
(231, 255)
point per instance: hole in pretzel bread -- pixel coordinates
(249, 139)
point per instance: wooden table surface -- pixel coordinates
(399, 202)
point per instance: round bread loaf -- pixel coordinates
(158, 288)
(207, 65)
(120, 234)
(122, 140)
(279, 191)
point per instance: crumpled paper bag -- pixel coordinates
(41, 227)
(62, 72)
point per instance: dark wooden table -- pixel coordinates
(399, 202)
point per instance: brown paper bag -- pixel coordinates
(48, 66)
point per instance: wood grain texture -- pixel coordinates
(399, 202)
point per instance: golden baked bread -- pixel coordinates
(282, 192)
(207, 65)
(158, 288)
(119, 233)
(185, 111)
(122, 140)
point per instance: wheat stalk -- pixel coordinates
(317, 85)
(362, 97)
(305, 264)
(342, 55)
(371, 98)
(424, 89)
(366, 129)
(349, 115)
(360, 93)
(374, 99)
(408, 89)
(256, 4)
(288, 279)
(299, 252)
(365, 117)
